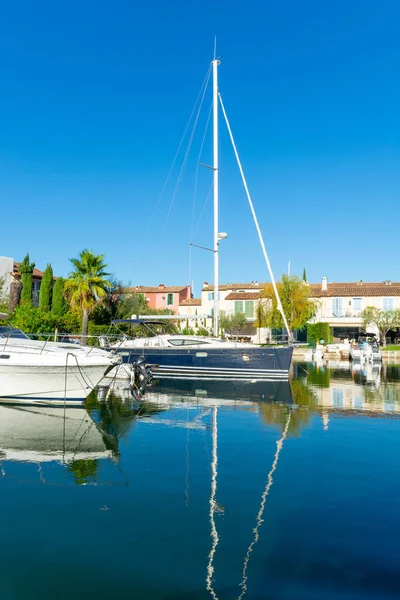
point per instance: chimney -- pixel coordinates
(324, 285)
(161, 285)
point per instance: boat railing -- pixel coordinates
(92, 340)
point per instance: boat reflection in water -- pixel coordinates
(167, 391)
(44, 434)
(54, 436)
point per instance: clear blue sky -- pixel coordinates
(94, 97)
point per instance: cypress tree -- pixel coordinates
(59, 304)
(26, 271)
(46, 289)
(304, 275)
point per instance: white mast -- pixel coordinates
(215, 64)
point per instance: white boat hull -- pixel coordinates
(49, 384)
(48, 372)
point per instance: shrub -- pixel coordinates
(318, 331)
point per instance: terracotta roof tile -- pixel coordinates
(191, 302)
(243, 296)
(254, 285)
(36, 272)
(157, 289)
(356, 289)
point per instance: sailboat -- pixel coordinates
(187, 356)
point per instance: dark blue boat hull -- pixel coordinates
(269, 364)
(254, 391)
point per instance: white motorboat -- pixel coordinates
(365, 349)
(49, 372)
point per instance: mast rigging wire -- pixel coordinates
(203, 85)
(186, 157)
(195, 194)
(260, 236)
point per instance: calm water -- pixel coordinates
(207, 491)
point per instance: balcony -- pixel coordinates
(347, 317)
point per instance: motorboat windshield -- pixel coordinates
(12, 332)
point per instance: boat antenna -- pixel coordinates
(253, 212)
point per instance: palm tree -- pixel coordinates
(87, 284)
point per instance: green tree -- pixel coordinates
(296, 300)
(304, 275)
(26, 272)
(59, 305)
(87, 285)
(233, 324)
(133, 303)
(46, 289)
(384, 320)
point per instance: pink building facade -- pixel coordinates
(164, 296)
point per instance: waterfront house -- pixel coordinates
(163, 296)
(341, 303)
(233, 298)
(191, 307)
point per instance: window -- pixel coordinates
(246, 307)
(388, 303)
(182, 342)
(211, 296)
(239, 307)
(337, 307)
(357, 304)
(170, 299)
(249, 309)
(35, 292)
